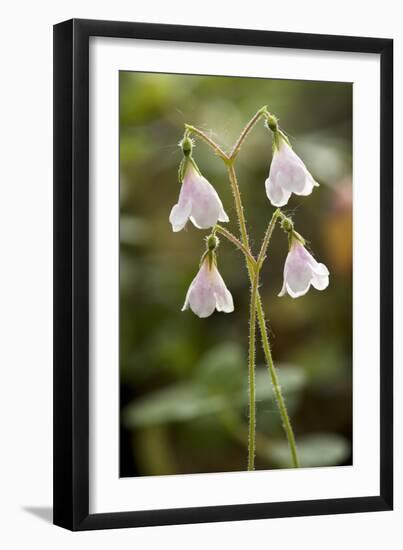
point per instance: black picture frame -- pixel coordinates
(71, 274)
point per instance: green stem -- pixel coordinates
(246, 131)
(267, 236)
(260, 314)
(251, 370)
(227, 234)
(217, 149)
(239, 433)
(254, 280)
(276, 386)
(239, 210)
(229, 160)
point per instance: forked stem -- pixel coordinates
(260, 314)
(228, 235)
(256, 306)
(237, 147)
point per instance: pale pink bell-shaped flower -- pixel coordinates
(208, 292)
(199, 201)
(288, 174)
(301, 270)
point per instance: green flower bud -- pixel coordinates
(187, 146)
(287, 225)
(272, 123)
(212, 242)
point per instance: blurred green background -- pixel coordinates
(183, 380)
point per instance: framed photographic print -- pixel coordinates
(223, 236)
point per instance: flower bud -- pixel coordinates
(187, 145)
(287, 225)
(212, 242)
(272, 123)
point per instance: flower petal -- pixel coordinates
(277, 195)
(223, 216)
(202, 301)
(186, 304)
(289, 168)
(200, 296)
(320, 275)
(224, 301)
(291, 178)
(208, 292)
(320, 282)
(320, 269)
(199, 201)
(310, 183)
(179, 215)
(206, 204)
(297, 271)
(301, 270)
(283, 290)
(289, 173)
(298, 281)
(181, 211)
(223, 296)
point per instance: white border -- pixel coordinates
(108, 493)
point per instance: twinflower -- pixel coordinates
(198, 201)
(288, 174)
(301, 270)
(207, 291)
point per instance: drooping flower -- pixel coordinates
(198, 200)
(208, 292)
(301, 270)
(288, 174)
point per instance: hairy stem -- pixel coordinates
(254, 280)
(261, 317)
(276, 387)
(228, 235)
(239, 208)
(216, 148)
(267, 236)
(251, 371)
(245, 132)
(253, 267)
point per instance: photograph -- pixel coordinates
(200, 276)
(235, 274)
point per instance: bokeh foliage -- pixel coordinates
(184, 379)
